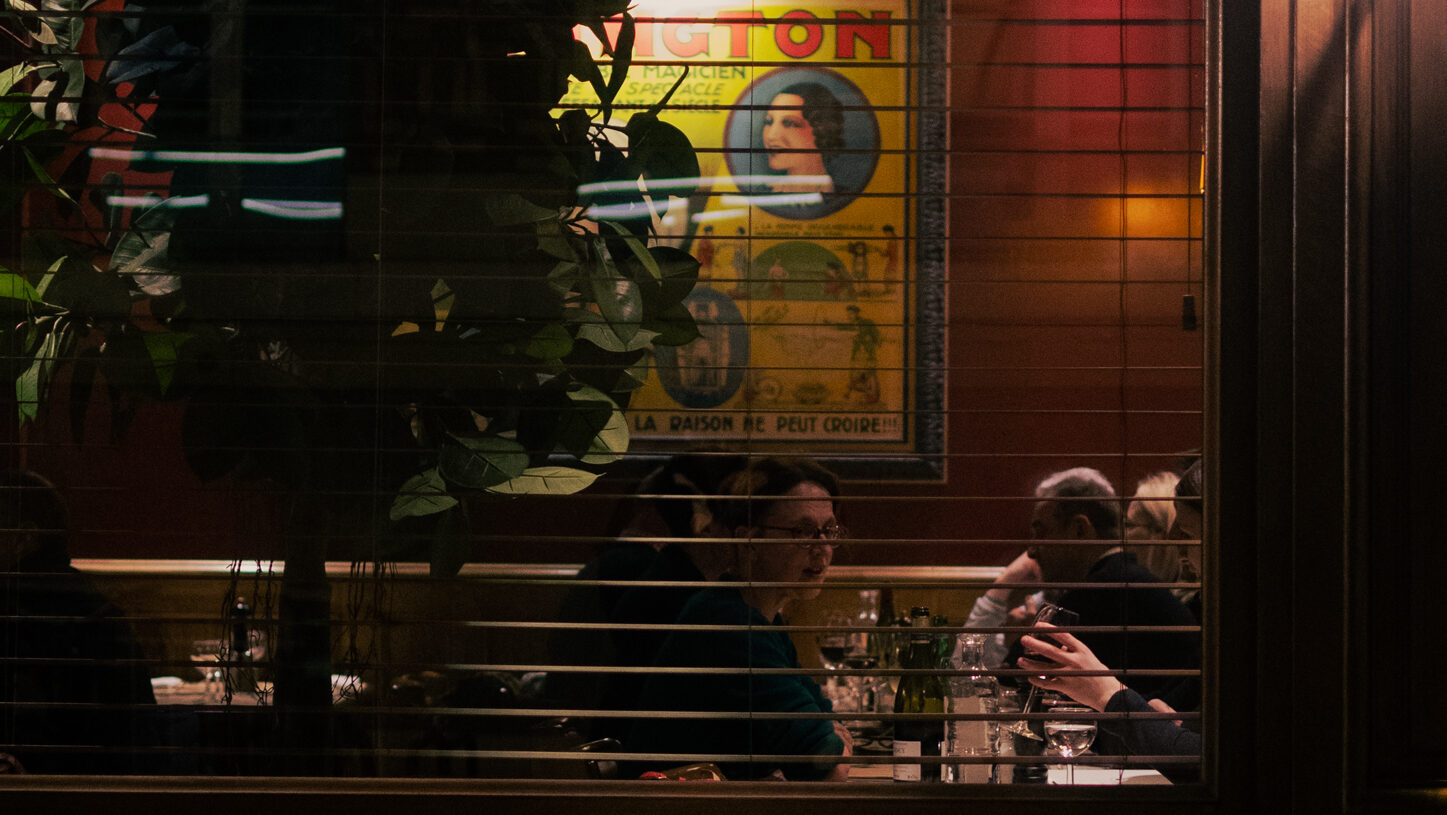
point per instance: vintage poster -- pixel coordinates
(803, 223)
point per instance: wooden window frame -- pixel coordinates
(1289, 334)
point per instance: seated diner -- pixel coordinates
(783, 513)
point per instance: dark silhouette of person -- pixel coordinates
(75, 695)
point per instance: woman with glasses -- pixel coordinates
(782, 518)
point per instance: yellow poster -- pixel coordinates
(801, 118)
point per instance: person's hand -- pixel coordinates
(1023, 569)
(840, 771)
(1158, 704)
(1024, 614)
(1070, 654)
(845, 736)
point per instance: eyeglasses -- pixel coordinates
(806, 535)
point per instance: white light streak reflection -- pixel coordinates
(740, 181)
(294, 210)
(772, 200)
(220, 157)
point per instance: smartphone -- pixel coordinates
(1055, 615)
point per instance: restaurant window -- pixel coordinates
(383, 370)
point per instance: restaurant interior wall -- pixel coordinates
(1065, 337)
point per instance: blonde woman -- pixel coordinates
(1149, 518)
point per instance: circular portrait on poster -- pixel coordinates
(707, 372)
(802, 142)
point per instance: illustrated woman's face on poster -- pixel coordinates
(789, 137)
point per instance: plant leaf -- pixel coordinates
(611, 442)
(450, 545)
(55, 100)
(586, 69)
(18, 124)
(603, 336)
(679, 274)
(618, 298)
(586, 416)
(143, 257)
(554, 240)
(633, 377)
(12, 75)
(663, 103)
(32, 385)
(622, 61)
(478, 461)
(163, 347)
(547, 481)
(15, 287)
(49, 276)
(564, 276)
(675, 326)
(552, 342)
(44, 175)
(443, 299)
(510, 209)
(639, 250)
(422, 494)
(662, 152)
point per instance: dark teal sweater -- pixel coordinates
(765, 646)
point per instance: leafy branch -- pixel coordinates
(506, 372)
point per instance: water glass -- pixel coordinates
(974, 772)
(1071, 737)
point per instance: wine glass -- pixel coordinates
(834, 640)
(1070, 737)
(866, 616)
(862, 695)
(207, 656)
(833, 648)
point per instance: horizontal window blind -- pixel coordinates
(504, 392)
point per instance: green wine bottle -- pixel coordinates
(919, 693)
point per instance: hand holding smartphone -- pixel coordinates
(1056, 616)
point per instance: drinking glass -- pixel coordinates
(834, 641)
(833, 648)
(866, 616)
(207, 656)
(1056, 616)
(1070, 737)
(863, 696)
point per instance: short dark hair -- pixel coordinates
(683, 480)
(29, 502)
(824, 113)
(752, 492)
(1084, 491)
